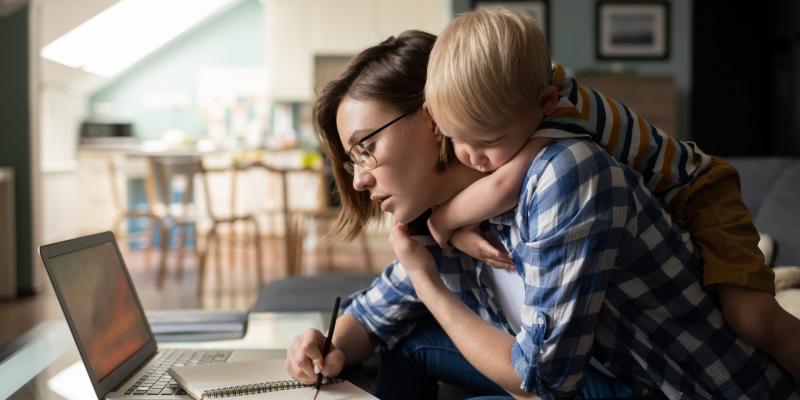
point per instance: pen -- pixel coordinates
(327, 346)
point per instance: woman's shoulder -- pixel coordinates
(568, 156)
(568, 182)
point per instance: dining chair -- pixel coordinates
(315, 221)
(175, 177)
(118, 176)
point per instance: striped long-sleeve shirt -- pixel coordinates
(666, 164)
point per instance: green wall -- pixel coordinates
(15, 142)
(235, 38)
(575, 48)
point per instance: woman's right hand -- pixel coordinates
(469, 240)
(304, 358)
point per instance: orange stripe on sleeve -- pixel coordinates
(644, 142)
(666, 167)
(585, 102)
(558, 75)
(612, 141)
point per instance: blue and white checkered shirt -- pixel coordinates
(607, 275)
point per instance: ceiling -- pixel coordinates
(57, 17)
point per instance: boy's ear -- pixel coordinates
(548, 99)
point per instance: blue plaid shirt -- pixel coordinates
(607, 276)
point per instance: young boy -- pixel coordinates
(537, 105)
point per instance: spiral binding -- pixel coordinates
(256, 388)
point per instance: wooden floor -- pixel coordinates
(237, 289)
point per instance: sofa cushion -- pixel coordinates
(758, 176)
(779, 216)
(770, 190)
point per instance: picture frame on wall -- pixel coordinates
(632, 30)
(539, 9)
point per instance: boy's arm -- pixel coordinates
(482, 246)
(488, 197)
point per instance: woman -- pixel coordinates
(388, 80)
(374, 112)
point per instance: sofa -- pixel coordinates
(770, 188)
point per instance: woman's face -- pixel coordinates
(403, 181)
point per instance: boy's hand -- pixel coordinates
(441, 236)
(412, 254)
(469, 240)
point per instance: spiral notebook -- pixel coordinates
(256, 380)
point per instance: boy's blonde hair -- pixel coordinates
(485, 65)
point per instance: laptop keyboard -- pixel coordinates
(156, 380)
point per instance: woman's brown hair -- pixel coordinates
(393, 73)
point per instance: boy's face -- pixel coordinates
(485, 149)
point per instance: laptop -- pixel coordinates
(109, 325)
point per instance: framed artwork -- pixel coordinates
(537, 8)
(632, 30)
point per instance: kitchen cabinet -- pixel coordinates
(288, 53)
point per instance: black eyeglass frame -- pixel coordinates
(350, 164)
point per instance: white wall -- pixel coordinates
(299, 30)
(61, 104)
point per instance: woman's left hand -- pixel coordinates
(415, 258)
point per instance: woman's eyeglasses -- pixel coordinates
(361, 153)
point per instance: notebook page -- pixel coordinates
(338, 391)
(199, 378)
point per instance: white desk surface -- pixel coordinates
(49, 360)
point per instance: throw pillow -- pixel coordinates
(767, 246)
(790, 301)
(786, 278)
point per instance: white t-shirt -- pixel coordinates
(510, 292)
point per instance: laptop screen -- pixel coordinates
(96, 293)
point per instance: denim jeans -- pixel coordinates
(413, 368)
